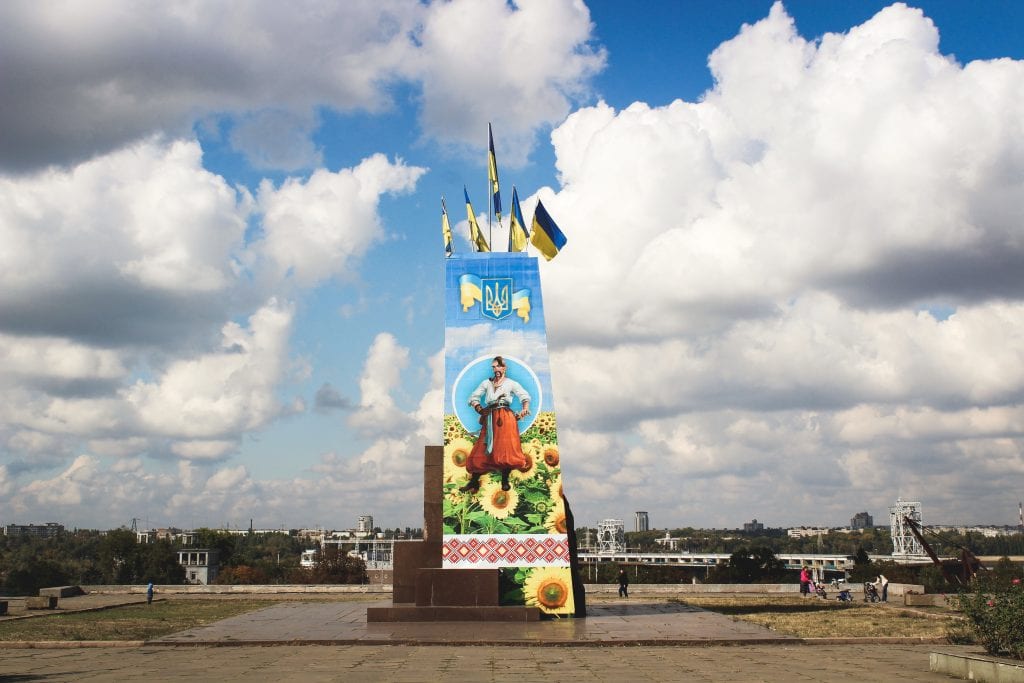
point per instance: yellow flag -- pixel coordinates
(475, 235)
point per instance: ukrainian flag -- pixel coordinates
(446, 231)
(517, 234)
(546, 236)
(475, 235)
(492, 173)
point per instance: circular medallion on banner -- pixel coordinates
(479, 370)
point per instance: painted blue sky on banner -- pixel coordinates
(469, 335)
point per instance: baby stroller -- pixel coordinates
(819, 590)
(844, 596)
(870, 592)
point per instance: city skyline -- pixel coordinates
(791, 288)
(144, 525)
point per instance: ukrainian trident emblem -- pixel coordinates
(497, 303)
(496, 296)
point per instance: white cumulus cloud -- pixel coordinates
(84, 78)
(746, 297)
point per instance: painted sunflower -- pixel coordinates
(550, 455)
(496, 502)
(555, 487)
(543, 506)
(455, 496)
(545, 422)
(456, 454)
(452, 429)
(532, 454)
(555, 521)
(550, 589)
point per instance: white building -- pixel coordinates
(200, 565)
(807, 532)
(668, 542)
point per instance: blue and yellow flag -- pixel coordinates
(475, 235)
(546, 236)
(446, 230)
(517, 233)
(492, 173)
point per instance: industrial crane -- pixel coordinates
(969, 564)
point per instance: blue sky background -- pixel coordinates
(791, 289)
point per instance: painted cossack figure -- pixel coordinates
(498, 449)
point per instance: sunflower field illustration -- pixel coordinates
(533, 505)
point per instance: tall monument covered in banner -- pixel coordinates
(498, 542)
(502, 491)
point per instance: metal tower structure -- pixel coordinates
(611, 536)
(904, 543)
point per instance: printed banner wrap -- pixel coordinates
(503, 505)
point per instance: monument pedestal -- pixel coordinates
(422, 590)
(414, 613)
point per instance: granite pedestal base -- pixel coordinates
(422, 590)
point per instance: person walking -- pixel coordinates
(149, 593)
(623, 584)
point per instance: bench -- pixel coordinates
(41, 602)
(61, 591)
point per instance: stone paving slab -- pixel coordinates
(778, 663)
(350, 650)
(345, 623)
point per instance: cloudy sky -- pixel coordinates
(793, 289)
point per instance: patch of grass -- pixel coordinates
(805, 618)
(813, 618)
(134, 622)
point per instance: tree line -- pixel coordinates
(87, 557)
(84, 558)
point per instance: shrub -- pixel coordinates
(332, 566)
(995, 614)
(242, 575)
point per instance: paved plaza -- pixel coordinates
(343, 623)
(331, 641)
(502, 664)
